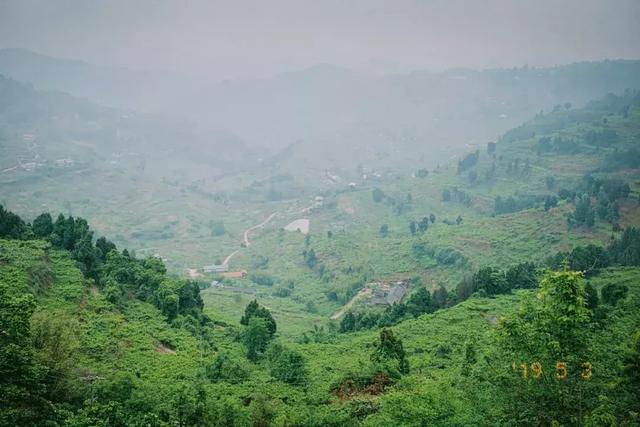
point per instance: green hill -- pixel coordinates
(496, 328)
(101, 363)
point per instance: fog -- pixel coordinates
(331, 83)
(216, 40)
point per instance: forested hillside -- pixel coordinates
(521, 262)
(93, 336)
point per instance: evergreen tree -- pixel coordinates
(440, 298)
(591, 297)
(377, 195)
(419, 302)
(286, 365)
(310, 258)
(412, 228)
(11, 225)
(256, 338)
(42, 226)
(254, 310)
(389, 348)
(348, 322)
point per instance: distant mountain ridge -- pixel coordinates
(431, 114)
(111, 86)
(42, 126)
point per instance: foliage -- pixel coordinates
(389, 348)
(468, 161)
(419, 302)
(613, 292)
(517, 203)
(286, 365)
(256, 337)
(554, 327)
(22, 397)
(252, 310)
(377, 195)
(226, 368)
(11, 225)
(584, 214)
(217, 228)
(626, 249)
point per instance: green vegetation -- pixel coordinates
(521, 262)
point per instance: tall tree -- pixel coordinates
(256, 338)
(423, 225)
(348, 322)
(390, 349)
(42, 226)
(440, 297)
(412, 228)
(252, 310)
(419, 302)
(11, 225)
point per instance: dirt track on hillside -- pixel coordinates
(338, 314)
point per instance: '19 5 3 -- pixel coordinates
(562, 371)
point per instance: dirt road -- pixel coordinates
(262, 224)
(231, 255)
(338, 314)
(245, 237)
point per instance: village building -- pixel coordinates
(216, 268)
(389, 294)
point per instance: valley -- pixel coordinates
(386, 258)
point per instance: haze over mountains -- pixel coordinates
(434, 114)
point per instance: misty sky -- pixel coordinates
(242, 39)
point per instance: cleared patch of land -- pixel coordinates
(301, 225)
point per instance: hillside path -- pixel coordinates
(262, 224)
(338, 314)
(231, 255)
(245, 236)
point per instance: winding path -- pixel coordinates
(262, 224)
(231, 255)
(245, 237)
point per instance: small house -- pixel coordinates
(389, 294)
(216, 268)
